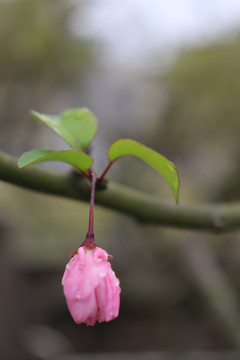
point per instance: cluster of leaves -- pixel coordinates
(78, 127)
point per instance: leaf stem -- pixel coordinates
(101, 177)
(86, 174)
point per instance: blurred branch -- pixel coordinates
(142, 206)
(213, 283)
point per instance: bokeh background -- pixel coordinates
(168, 75)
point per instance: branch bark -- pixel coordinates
(141, 206)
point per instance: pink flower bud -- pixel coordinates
(90, 286)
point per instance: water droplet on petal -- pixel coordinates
(102, 274)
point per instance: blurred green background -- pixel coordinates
(180, 289)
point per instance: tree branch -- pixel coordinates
(141, 206)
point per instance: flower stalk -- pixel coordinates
(89, 242)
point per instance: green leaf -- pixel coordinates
(76, 126)
(162, 165)
(76, 158)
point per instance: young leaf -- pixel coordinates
(76, 126)
(162, 165)
(76, 158)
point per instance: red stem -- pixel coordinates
(89, 241)
(101, 177)
(86, 174)
(91, 215)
